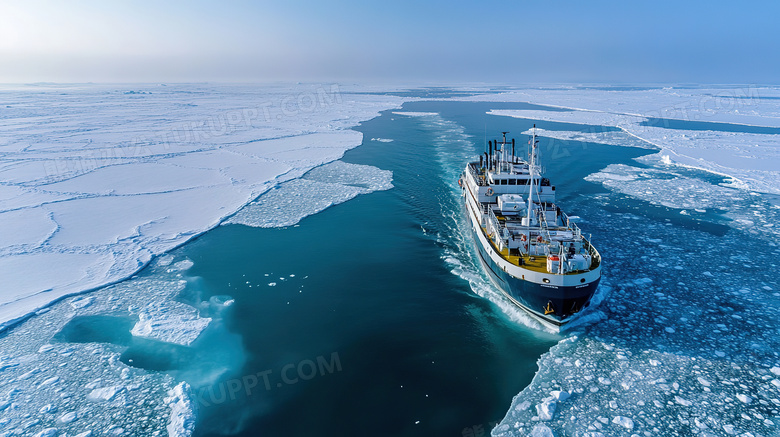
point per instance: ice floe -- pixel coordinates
(680, 352)
(751, 158)
(182, 421)
(79, 369)
(170, 322)
(415, 114)
(99, 179)
(687, 191)
(320, 188)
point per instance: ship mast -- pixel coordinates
(531, 166)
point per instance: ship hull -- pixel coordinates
(533, 298)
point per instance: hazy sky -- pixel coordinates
(390, 41)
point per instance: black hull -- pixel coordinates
(535, 298)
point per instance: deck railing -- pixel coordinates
(473, 171)
(501, 230)
(595, 255)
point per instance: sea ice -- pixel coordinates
(541, 431)
(320, 188)
(63, 381)
(97, 181)
(171, 322)
(703, 374)
(546, 409)
(182, 421)
(750, 158)
(104, 393)
(623, 421)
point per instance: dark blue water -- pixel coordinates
(670, 123)
(419, 353)
(379, 321)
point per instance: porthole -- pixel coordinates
(545, 280)
(582, 280)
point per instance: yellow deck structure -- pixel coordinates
(534, 263)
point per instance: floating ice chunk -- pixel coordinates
(683, 402)
(669, 329)
(745, 399)
(45, 348)
(643, 281)
(104, 394)
(165, 260)
(319, 189)
(729, 429)
(560, 395)
(416, 114)
(703, 381)
(171, 322)
(541, 430)
(67, 417)
(615, 138)
(84, 434)
(546, 409)
(48, 432)
(181, 266)
(81, 302)
(221, 301)
(182, 421)
(28, 374)
(52, 380)
(623, 421)
(382, 140)
(775, 370)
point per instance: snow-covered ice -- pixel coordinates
(182, 422)
(88, 197)
(322, 187)
(170, 322)
(751, 158)
(680, 352)
(83, 381)
(687, 344)
(97, 180)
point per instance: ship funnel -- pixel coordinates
(513, 150)
(490, 157)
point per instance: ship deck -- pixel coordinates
(533, 263)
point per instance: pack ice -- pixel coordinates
(98, 179)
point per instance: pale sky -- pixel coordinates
(390, 41)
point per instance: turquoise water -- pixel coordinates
(370, 326)
(373, 316)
